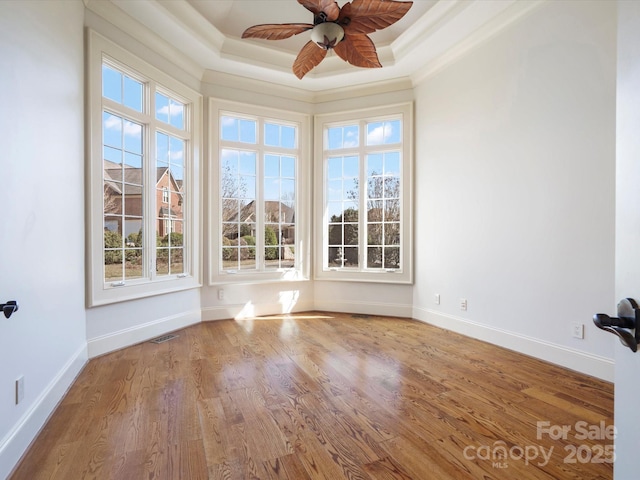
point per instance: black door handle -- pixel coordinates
(628, 319)
(9, 308)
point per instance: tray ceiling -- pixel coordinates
(208, 34)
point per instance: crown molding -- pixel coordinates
(108, 14)
(178, 32)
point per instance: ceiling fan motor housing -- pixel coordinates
(327, 35)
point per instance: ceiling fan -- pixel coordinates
(343, 30)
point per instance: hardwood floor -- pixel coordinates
(324, 396)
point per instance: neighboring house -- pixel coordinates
(125, 214)
(276, 213)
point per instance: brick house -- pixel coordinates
(123, 207)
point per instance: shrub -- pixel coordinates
(112, 240)
(176, 240)
(270, 238)
(250, 241)
(230, 250)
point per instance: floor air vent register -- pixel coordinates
(164, 338)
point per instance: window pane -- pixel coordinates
(392, 187)
(247, 163)
(238, 129)
(271, 134)
(111, 84)
(229, 128)
(176, 151)
(169, 110)
(350, 257)
(392, 234)
(392, 257)
(392, 164)
(374, 165)
(271, 166)
(374, 257)
(288, 167)
(277, 135)
(335, 167)
(351, 167)
(248, 130)
(133, 137)
(112, 130)
(383, 133)
(176, 112)
(132, 94)
(374, 234)
(288, 137)
(343, 137)
(121, 88)
(334, 190)
(162, 107)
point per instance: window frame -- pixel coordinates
(102, 292)
(322, 271)
(218, 108)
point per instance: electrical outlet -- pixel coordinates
(577, 330)
(463, 304)
(19, 390)
(221, 294)
(437, 299)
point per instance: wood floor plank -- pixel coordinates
(321, 395)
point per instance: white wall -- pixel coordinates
(115, 326)
(515, 164)
(42, 220)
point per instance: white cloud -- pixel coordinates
(113, 123)
(130, 129)
(379, 134)
(174, 109)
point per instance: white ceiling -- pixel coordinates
(232, 17)
(207, 33)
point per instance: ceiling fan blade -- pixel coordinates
(358, 50)
(329, 7)
(367, 16)
(276, 31)
(310, 56)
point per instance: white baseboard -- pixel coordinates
(249, 310)
(577, 360)
(367, 308)
(140, 333)
(17, 441)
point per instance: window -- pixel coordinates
(363, 185)
(260, 188)
(144, 140)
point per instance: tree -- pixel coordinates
(232, 189)
(383, 222)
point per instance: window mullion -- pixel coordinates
(260, 209)
(149, 200)
(362, 217)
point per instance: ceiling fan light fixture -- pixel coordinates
(344, 30)
(327, 35)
